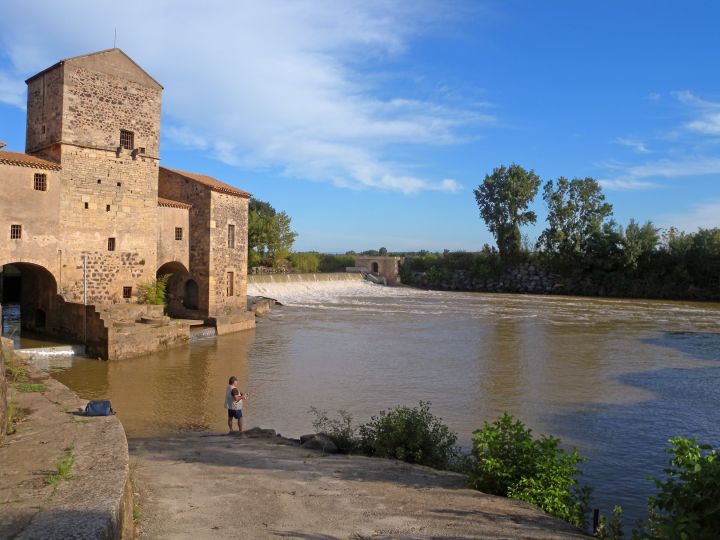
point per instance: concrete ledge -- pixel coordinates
(227, 324)
(96, 502)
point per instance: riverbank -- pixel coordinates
(200, 486)
(90, 495)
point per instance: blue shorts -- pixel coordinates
(235, 414)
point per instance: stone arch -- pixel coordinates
(191, 293)
(375, 267)
(176, 288)
(29, 295)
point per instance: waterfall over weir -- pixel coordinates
(302, 289)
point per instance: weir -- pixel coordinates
(298, 278)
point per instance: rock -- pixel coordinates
(321, 442)
(258, 433)
(306, 438)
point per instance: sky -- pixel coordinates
(371, 122)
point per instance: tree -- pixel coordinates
(383, 252)
(640, 241)
(270, 238)
(576, 212)
(503, 199)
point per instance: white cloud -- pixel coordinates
(272, 83)
(12, 91)
(641, 176)
(637, 145)
(708, 112)
(704, 215)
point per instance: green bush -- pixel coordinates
(508, 461)
(413, 434)
(611, 528)
(305, 262)
(330, 262)
(154, 292)
(687, 504)
(340, 430)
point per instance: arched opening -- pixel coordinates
(28, 295)
(375, 268)
(190, 298)
(176, 290)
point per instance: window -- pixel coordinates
(126, 139)
(87, 205)
(99, 181)
(111, 244)
(230, 283)
(40, 182)
(127, 292)
(231, 236)
(107, 207)
(119, 184)
(178, 233)
(15, 232)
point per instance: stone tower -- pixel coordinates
(98, 116)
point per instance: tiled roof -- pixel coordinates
(212, 183)
(26, 160)
(173, 204)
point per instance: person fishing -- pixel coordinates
(233, 403)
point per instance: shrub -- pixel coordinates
(611, 528)
(687, 503)
(335, 263)
(154, 292)
(414, 435)
(306, 262)
(508, 461)
(340, 430)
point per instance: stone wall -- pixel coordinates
(107, 196)
(522, 278)
(38, 212)
(170, 249)
(225, 297)
(3, 391)
(175, 187)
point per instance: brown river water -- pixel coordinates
(616, 378)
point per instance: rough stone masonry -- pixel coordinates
(87, 214)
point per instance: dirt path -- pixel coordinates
(231, 487)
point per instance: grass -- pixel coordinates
(15, 369)
(15, 415)
(63, 468)
(30, 387)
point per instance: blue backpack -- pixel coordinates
(98, 407)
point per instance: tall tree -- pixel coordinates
(576, 211)
(503, 199)
(270, 238)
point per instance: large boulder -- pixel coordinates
(321, 442)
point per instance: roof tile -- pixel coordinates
(212, 183)
(26, 160)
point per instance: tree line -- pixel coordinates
(582, 243)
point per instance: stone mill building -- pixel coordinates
(87, 215)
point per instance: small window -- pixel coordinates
(230, 283)
(126, 139)
(15, 232)
(107, 207)
(178, 233)
(111, 244)
(119, 184)
(40, 182)
(231, 236)
(87, 205)
(127, 292)
(99, 181)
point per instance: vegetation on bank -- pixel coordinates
(585, 249)
(507, 460)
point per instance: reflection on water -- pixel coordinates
(615, 378)
(23, 338)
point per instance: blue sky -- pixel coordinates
(371, 122)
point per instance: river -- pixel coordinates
(616, 378)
